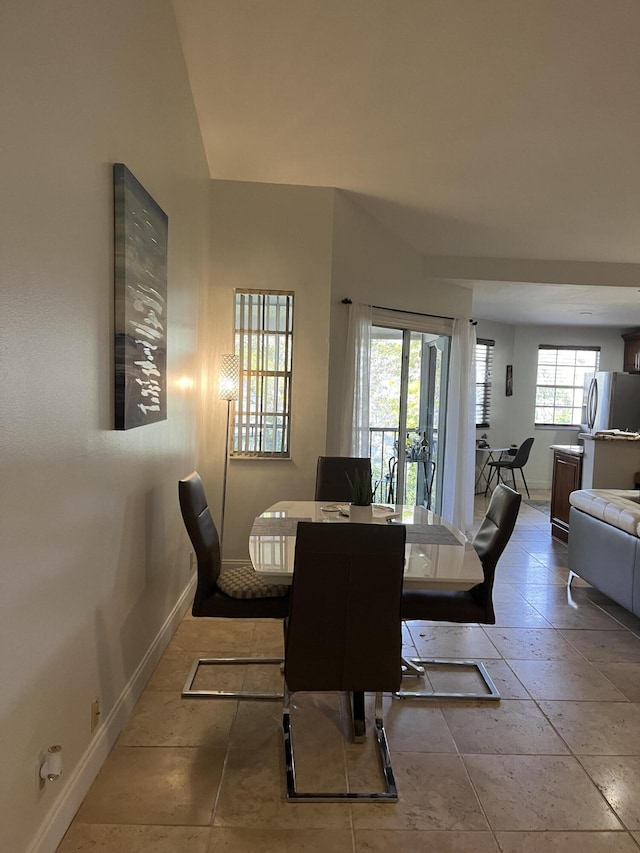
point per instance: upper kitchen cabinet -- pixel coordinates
(632, 351)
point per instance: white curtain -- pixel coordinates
(459, 474)
(354, 439)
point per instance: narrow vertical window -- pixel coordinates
(264, 344)
(484, 371)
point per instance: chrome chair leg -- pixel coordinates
(415, 667)
(390, 795)
(189, 693)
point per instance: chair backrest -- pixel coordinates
(332, 483)
(203, 534)
(492, 538)
(344, 627)
(522, 454)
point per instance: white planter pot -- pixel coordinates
(361, 514)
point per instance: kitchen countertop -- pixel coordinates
(610, 435)
(571, 449)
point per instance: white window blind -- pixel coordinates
(560, 383)
(484, 373)
(264, 344)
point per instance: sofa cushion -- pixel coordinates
(617, 507)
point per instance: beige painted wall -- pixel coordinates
(93, 551)
(275, 237)
(373, 266)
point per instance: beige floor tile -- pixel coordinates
(512, 726)
(622, 616)
(166, 719)
(461, 641)
(624, 676)
(605, 645)
(536, 792)
(530, 644)
(253, 795)
(556, 679)
(105, 838)
(434, 794)
(239, 840)
(413, 725)
(403, 840)
(551, 595)
(506, 593)
(636, 835)
(597, 728)
(586, 617)
(268, 638)
(504, 679)
(215, 636)
(520, 615)
(566, 842)
(619, 780)
(139, 785)
(534, 572)
(257, 725)
(173, 669)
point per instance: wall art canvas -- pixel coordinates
(509, 381)
(141, 231)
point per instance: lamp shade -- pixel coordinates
(229, 388)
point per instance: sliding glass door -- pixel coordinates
(407, 414)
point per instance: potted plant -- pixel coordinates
(361, 497)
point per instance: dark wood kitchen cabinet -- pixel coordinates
(632, 352)
(567, 477)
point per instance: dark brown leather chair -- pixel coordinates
(333, 474)
(344, 631)
(513, 464)
(248, 596)
(468, 606)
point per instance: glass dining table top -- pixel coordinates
(437, 554)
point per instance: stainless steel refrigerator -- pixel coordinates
(611, 401)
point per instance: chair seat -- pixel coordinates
(245, 582)
(217, 603)
(442, 606)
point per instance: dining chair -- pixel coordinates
(333, 474)
(513, 464)
(237, 593)
(344, 631)
(466, 606)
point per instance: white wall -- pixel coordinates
(373, 266)
(93, 551)
(512, 418)
(275, 237)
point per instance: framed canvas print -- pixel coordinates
(140, 240)
(509, 381)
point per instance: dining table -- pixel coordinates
(491, 454)
(437, 554)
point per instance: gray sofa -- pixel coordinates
(604, 543)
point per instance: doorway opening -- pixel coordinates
(407, 415)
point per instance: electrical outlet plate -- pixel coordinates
(95, 713)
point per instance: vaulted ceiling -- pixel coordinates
(501, 133)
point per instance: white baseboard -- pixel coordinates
(61, 814)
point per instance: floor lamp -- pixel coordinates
(229, 389)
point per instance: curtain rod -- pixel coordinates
(347, 301)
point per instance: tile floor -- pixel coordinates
(555, 766)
